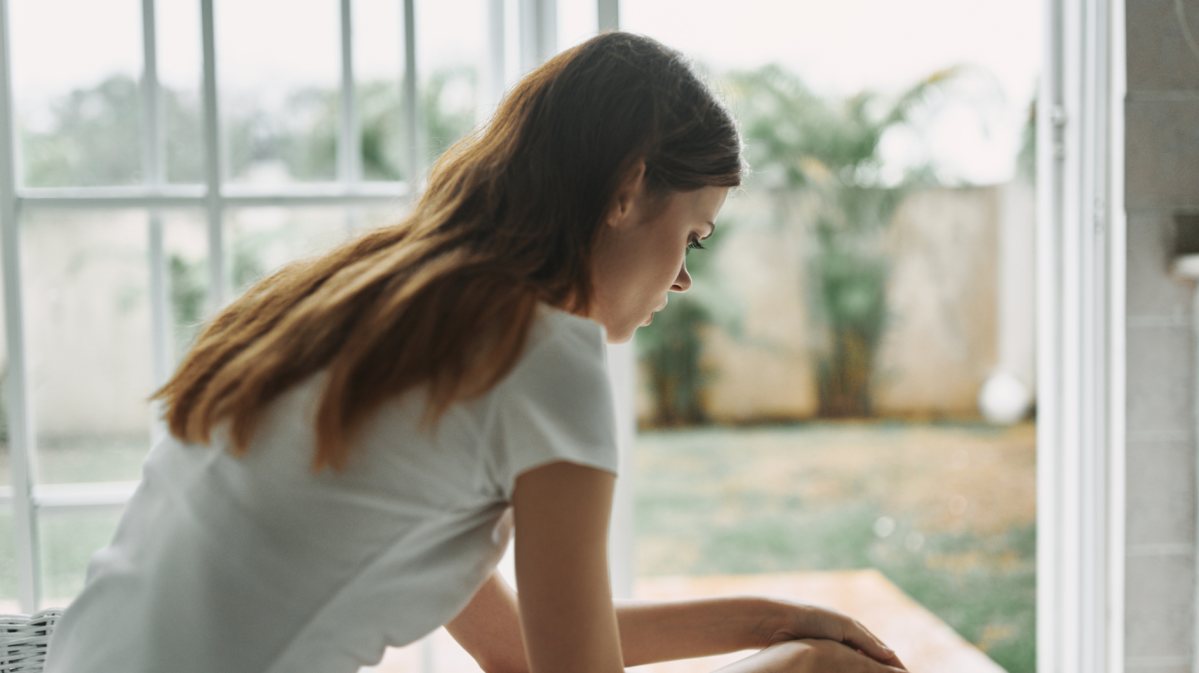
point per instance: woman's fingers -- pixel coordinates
(825, 623)
(828, 655)
(809, 656)
(860, 638)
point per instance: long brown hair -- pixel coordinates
(445, 298)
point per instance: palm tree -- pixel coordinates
(820, 160)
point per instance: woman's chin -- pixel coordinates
(620, 336)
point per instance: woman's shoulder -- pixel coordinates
(557, 403)
(562, 348)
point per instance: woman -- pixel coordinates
(352, 439)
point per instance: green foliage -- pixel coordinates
(304, 139)
(188, 291)
(671, 348)
(447, 108)
(93, 140)
(382, 132)
(822, 159)
(93, 135)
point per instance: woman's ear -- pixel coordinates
(627, 196)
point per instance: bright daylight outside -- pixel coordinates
(839, 411)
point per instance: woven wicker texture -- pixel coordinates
(24, 640)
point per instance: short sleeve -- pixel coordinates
(557, 403)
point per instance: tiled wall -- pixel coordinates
(1162, 179)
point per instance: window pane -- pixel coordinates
(847, 317)
(75, 85)
(68, 541)
(185, 255)
(261, 240)
(379, 69)
(279, 105)
(180, 74)
(451, 47)
(87, 317)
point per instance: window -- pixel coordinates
(152, 170)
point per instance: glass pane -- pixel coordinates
(450, 52)
(379, 68)
(279, 106)
(185, 254)
(88, 324)
(68, 541)
(75, 84)
(815, 410)
(261, 240)
(180, 76)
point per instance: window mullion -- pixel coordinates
(153, 175)
(20, 413)
(539, 32)
(411, 122)
(217, 285)
(349, 145)
(607, 15)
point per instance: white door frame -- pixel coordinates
(1080, 339)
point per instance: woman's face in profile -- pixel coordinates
(640, 253)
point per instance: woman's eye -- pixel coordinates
(694, 244)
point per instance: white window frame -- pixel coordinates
(1080, 343)
(29, 499)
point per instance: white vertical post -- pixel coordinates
(349, 136)
(218, 285)
(1080, 451)
(622, 536)
(349, 140)
(607, 14)
(153, 174)
(1117, 312)
(622, 363)
(412, 150)
(496, 52)
(538, 32)
(21, 440)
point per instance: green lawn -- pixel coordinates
(945, 511)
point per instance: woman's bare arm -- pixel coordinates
(489, 629)
(565, 601)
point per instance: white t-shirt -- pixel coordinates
(256, 564)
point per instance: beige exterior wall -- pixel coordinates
(939, 346)
(952, 247)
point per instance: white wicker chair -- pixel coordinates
(24, 640)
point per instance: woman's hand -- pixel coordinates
(796, 621)
(810, 656)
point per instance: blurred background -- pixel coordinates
(848, 386)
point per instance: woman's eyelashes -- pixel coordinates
(694, 244)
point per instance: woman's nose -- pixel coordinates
(683, 282)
